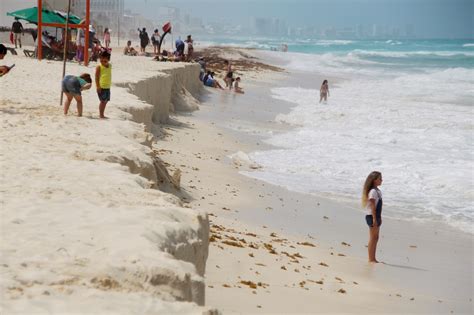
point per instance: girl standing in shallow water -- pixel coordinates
(324, 91)
(372, 201)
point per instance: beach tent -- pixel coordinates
(55, 17)
(43, 17)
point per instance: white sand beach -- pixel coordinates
(93, 221)
(84, 229)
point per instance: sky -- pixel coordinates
(431, 18)
(12, 5)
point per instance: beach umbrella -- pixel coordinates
(31, 15)
(73, 19)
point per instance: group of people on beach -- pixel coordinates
(72, 86)
(208, 77)
(184, 50)
(96, 46)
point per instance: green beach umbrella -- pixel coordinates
(73, 19)
(31, 15)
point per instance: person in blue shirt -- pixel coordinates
(211, 82)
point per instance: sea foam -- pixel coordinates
(414, 126)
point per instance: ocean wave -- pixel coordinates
(405, 54)
(334, 42)
(393, 42)
(426, 176)
(330, 64)
(468, 45)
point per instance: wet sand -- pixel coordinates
(261, 255)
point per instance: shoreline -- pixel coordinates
(248, 204)
(261, 259)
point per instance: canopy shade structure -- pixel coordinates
(47, 16)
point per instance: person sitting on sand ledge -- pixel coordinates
(237, 88)
(209, 80)
(372, 201)
(72, 87)
(103, 81)
(129, 50)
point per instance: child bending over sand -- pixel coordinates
(372, 201)
(103, 81)
(72, 87)
(237, 88)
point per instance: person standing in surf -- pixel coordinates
(228, 75)
(372, 201)
(324, 91)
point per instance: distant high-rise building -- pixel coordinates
(330, 32)
(395, 32)
(375, 30)
(262, 26)
(109, 8)
(360, 31)
(410, 30)
(269, 27)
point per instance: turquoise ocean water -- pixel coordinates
(403, 107)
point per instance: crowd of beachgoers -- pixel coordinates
(54, 47)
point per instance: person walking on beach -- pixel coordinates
(155, 40)
(17, 29)
(107, 38)
(144, 39)
(103, 81)
(72, 87)
(324, 91)
(372, 201)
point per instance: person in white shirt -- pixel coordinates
(372, 201)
